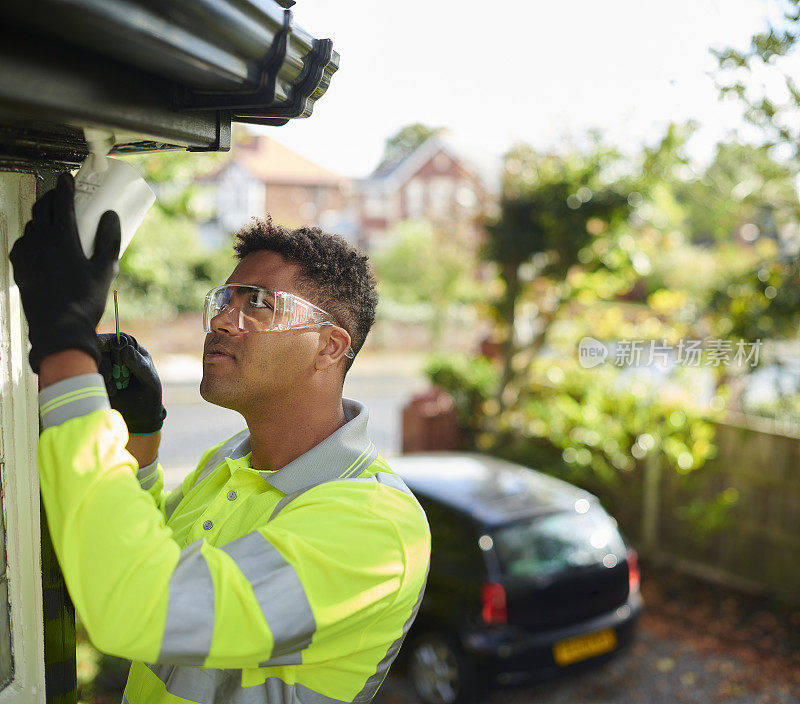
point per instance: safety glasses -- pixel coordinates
(258, 309)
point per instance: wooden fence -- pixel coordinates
(756, 545)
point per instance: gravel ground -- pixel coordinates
(656, 670)
(697, 644)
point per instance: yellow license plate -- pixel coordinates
(565, 652)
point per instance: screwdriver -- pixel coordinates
(119, 371)
(116, 314)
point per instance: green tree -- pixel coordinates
(744, 191)
(550, 209)
(742, 186)
(741, 73)
(405, 141)
(422, 266)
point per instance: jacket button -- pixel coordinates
(231, 495)
(208, 525)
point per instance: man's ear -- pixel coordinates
(334, 342)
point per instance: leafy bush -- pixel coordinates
(470, 381)
(592, 427)
(596, 429)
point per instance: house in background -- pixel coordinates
(443, 181)
(263, 177)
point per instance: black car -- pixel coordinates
(529, 577)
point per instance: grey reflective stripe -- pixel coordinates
(148, 475)
(148, 483)
(172, 501)
(209, 685)
(393, 481)
(365, 459)
(304, 695)
(189, 626)
(198, 684)
(374, 682)
(386, 478)
(284, 501)
(70, 398)
(233, 448)
(291, 497)
(279, 593)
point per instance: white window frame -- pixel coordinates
(19, 435)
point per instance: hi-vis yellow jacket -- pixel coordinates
(240, 586)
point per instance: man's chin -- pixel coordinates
(210, 391)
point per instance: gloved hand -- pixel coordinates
(132, 382)
(63, 293)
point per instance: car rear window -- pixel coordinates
(556, 542)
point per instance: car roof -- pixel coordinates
(491, 490)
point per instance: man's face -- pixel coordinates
(245, 371)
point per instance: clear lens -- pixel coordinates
(249, 308)
(257, 309)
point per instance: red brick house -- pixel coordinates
(264, 176)
(441, 181)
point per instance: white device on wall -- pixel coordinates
(102, 184)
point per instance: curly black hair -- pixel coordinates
(336, 276)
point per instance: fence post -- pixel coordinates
(650, 503)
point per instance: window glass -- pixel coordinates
(558, 542)
(441, 194)
(374, 206)
(415, 193)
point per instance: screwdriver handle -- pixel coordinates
(119, 372)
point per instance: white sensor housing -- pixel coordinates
(105, 184)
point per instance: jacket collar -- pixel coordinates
(342, 454)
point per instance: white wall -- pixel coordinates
(19, 431)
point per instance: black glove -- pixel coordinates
(63, 293)
(132, 382)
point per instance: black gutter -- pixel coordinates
(174, 74)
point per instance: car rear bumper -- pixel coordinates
(514, 656)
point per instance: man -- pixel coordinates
(290, 564)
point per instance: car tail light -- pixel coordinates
(493, 603)
(634, 577)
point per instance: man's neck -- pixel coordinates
(280, 435)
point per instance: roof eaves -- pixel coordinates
(206, 63)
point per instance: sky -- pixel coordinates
(533, 71)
